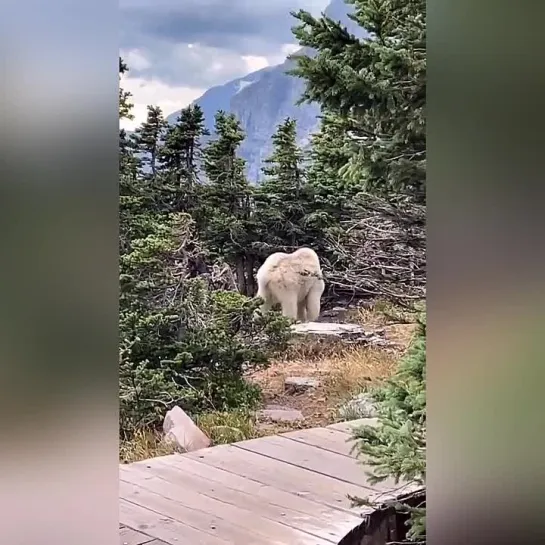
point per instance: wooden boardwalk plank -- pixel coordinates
(207, 523)
(289, 489)
(263, 501)
(347, 427)
(162, 527)
(231, 521)
(128, 536)
(327, 439)
(311, 458)
(281, 475)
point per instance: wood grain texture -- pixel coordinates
(291, 488)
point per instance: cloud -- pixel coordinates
(156, 93)
(242, 26)
(255, 63)
(177, 50)
(136, 60)
(206, 42)
(190, 64)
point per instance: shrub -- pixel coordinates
(182, 343)
(397, 446)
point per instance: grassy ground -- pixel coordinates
(342, 373)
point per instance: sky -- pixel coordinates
(177, 49)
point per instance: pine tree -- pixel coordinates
(377, 86)
(285, 164)
(283, 198)
(330, 152)
(181, 156)
(125, 106)
(182, 151)
(374, 93)
(149, 135)
(227, 208)
(130, 199)
(180, 342)
(397, 447)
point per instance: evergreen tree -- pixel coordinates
(330, 152)
(129, 163)
(181, 156)
(125, 106)
(377, 86)
(374, 92)
(226, 210)
(149, 135)
(283, 199)
(130, 199)
(180, 343)
(182, 151)
(285, 164)
(396, 448)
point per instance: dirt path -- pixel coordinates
(340, 375)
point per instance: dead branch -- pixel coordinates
(382, 253)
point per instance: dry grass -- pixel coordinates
(145, 444)
(354, 370)
(221, 427)
(342, 373)
(382, 313)
(340, 376)
(228, 427)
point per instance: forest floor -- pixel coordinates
(340, 371)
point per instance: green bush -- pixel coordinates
(182, 343)
(396, 448)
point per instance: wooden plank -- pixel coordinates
(258, 490)
(327, 439)
(281, 475)
(209, 515)
(183, 493)
(262, 500)
(314, 459)
(128, 536)
(163, 528)
(347, 427)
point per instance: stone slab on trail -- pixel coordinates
(280, 414)
(300, 384)
(350, 333)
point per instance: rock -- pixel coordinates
(280, 414)
(181, 430)
(300, 384)
(349, 333)
(362, 406)
(336, 314)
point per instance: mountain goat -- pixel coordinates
(293, 281)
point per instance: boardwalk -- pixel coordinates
(289, 489)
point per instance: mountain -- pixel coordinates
(219, 97)
(262, 100)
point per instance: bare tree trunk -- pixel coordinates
(241, 278)
(250, 279)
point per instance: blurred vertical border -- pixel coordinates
(59, 272)
(486, 265)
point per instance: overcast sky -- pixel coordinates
(176, 49)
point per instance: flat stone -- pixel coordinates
(328, 328)
(300, 384)
(280, 415)
(348, 333)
